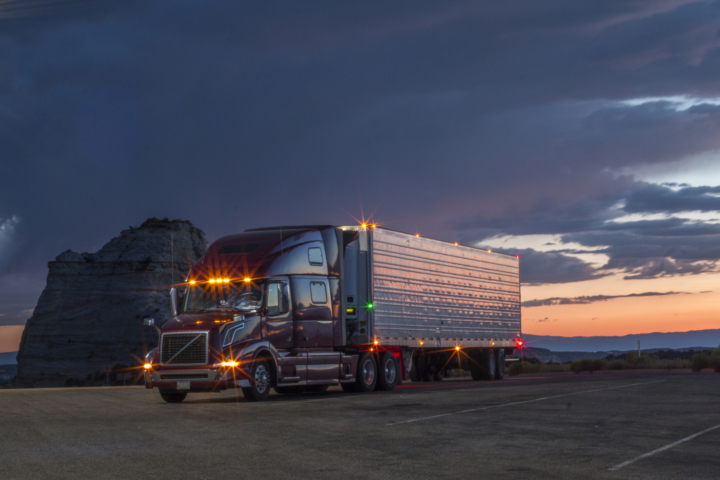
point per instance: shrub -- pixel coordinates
(517, 368)
(615, 365)
(700, 361)
(588, 365)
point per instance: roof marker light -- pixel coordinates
(247, 279)
(212, 280)
(226, 280)
(192, 282)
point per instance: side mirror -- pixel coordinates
(150, 322)
(173, 302)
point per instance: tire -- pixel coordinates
(290, 390)
(388, 372)
(261, 381)
(500, 364)
(399, 377)
(366, 373)
(476, 366)
(487, 366)
(317, 388)
(174, 397)
(350, 387)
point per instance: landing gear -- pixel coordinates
(260, 386)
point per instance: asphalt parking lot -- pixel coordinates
(601, 425)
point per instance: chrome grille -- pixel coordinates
(184, 348)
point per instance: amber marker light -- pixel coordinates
(457, 348)
(246, 279)
(417, 234)
(373, 225)
(147, 366)
(229, 364)
(376, 342)
(422, 343)
(226, 280)
(192, 282)
(212, 280)
(489, 251)
(364, 225)
(455, 244)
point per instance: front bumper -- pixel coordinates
(200, 379)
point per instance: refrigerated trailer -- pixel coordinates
(301, 308)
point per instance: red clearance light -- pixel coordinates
(519, 343)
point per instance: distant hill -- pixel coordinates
(674, 340)
(7, 358)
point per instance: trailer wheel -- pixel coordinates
(388, 372)
(487, 365)
(366, 373)
(260, 384)
(500, 366)
(174, 397)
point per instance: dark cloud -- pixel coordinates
(538, 268)
(460, 120)
(590, 299)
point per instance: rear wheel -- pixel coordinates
(366, 373)
(173, 397)
(500, 367)
(476, 365)
(388, 372)
(488, 365)
(261, 382)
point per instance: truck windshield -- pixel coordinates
(224, 296)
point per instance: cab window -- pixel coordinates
(278, 301)
(318, 293)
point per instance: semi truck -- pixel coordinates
(301, 308)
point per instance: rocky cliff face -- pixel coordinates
(91, 311)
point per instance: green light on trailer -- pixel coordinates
(369, 305)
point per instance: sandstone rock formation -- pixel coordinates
(91, 311)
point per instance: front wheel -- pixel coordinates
(261, 382)
(173, 397)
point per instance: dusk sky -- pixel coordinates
(583, 136)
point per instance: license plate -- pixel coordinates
(183, 385)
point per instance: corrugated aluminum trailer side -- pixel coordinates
(417, 292)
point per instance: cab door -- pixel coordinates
(278, 319)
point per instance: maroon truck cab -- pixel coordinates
(261, 309)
